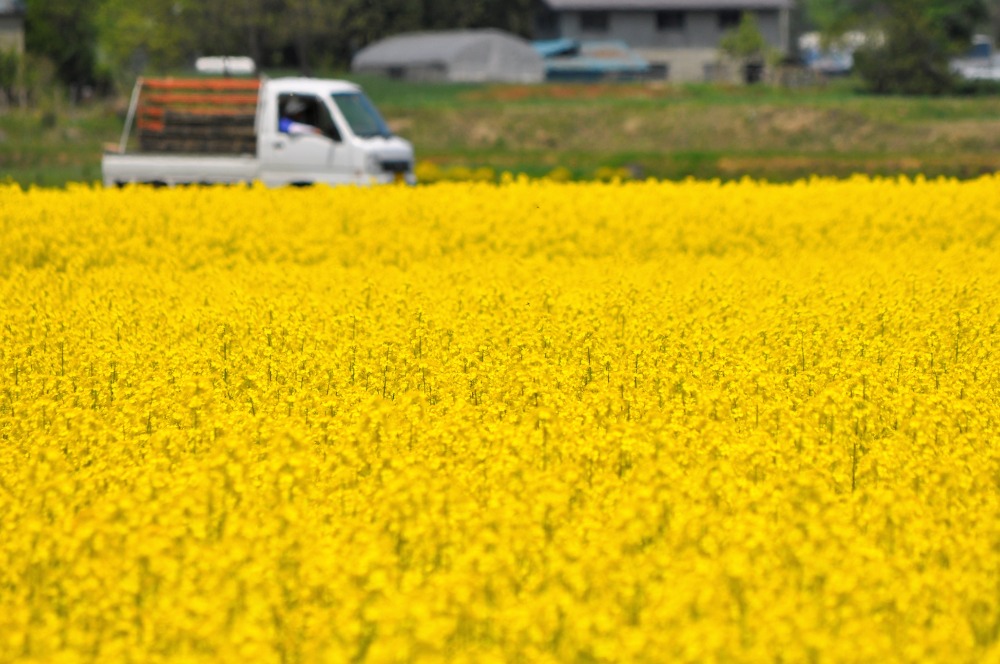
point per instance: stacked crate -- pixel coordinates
(198, 116)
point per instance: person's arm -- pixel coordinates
(288, 126)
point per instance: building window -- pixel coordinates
(729, 18)
(594, 21)
(670, 20)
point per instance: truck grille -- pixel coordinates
(396, 166)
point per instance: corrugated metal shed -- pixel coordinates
(652, 5)
(460, 55)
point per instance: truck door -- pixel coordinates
(305, 145)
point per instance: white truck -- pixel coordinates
(229, 130)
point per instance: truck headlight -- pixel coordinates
(373, 164)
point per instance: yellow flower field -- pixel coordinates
(524, 422)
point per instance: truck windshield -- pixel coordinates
(361, 115)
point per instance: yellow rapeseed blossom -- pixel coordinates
(520, 422)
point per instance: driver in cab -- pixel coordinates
(293, 119)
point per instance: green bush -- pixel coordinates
(11, 75)
(913, 58)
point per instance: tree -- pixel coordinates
(66, 34)
(517, 16)
(910, 41)
(748, 46)
(11, 75)
(312, 29)
(163, 35)
(135, 38)
(913, 58)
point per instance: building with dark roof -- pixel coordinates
(677, 37)
(12, 25)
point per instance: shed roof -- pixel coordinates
(653, 5)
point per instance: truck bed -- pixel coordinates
(171, 169)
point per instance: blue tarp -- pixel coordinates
(550, 48)
(568, 59)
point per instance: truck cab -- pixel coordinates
(229, 130)
(353, 144)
